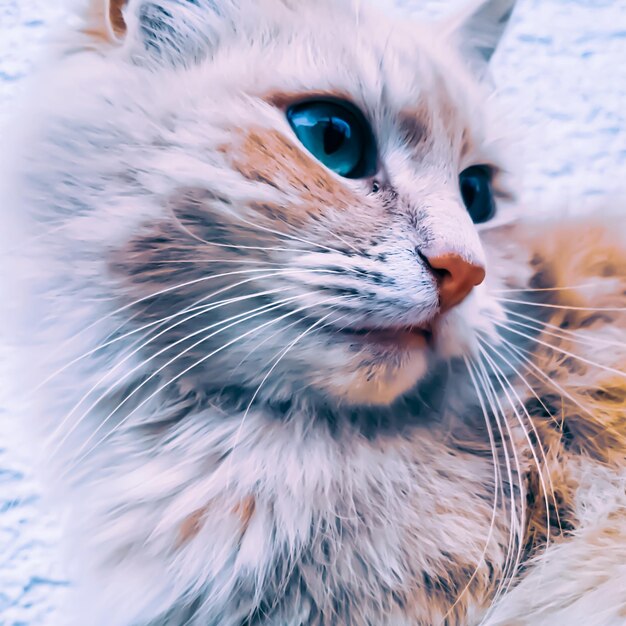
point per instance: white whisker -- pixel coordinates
(521, 378)
(542, 289)
(260, 248)
(220, 261)
(300, 239)
(143, 343)
(563, 333)
(541, 375)
(511, 564)
(221, 325)
(188, 309)
(561, 350)
(541, 448)
(185, 371)
(288, 270)
(497, 482)
(563, 306)
(502, 378)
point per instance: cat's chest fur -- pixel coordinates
(266, 523)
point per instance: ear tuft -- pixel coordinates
(179, 32)
(480, 28)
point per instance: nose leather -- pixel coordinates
(456, 278)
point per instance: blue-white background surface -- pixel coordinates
(562, 77)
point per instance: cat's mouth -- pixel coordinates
(403, 337)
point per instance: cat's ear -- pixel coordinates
(172, 31)
(105, 21)
(479, 29)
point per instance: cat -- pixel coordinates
(288, 351)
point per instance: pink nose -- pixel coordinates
(456, 278)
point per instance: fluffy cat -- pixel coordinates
(292, 355)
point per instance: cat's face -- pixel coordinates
(302, 204)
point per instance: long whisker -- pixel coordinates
(497, 486)
(188, 309)
(273, 367)
(541, 375)
(195, 261)
(522, 379)
(543, 289)
(288, 269)
(511, 564)
(563, 306)
(300, 239)
(263, 248)
(538, 373)
(496, 412)
(221, 325)
(343, 241)
(536, 433)
(502, 378)
(185, 371)
(153, 295)
(560, 350)
(563, 333)
(543, 329)
(154, 325)
(143, 343)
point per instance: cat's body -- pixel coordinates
(311, 447)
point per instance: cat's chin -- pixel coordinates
(383, 365)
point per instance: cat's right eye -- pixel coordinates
(337, 134)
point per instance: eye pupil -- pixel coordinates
(336, 133)
(469, 190)
(475, 184)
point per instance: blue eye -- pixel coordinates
(477, 193)
(337, 134)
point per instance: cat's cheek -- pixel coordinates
(369, 379)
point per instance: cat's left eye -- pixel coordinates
(337, 134)
(477, 192)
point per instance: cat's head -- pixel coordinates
(292, 193)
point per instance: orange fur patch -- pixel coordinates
(245, 510)
(581, 278)
(269, 157)
(192, 525)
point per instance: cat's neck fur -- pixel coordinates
(291, 521)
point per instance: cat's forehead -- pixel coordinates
(403, 75)
(375, 60)
(396, 73)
